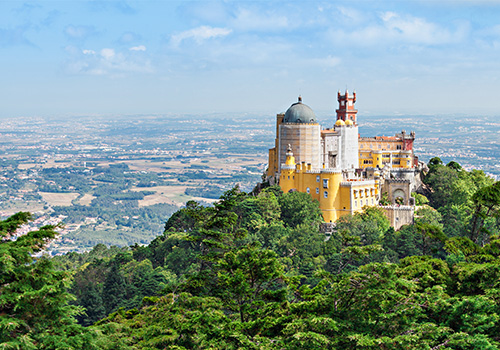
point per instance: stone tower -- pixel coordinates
(346, 109)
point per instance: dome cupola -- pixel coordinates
(299, 113)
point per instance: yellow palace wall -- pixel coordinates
(336, 197)
(373, 153)
(372, 159)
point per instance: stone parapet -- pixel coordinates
(397, 181)
(331, 171)
(399, 215)
(397, 207)
(357, 183)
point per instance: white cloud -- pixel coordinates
(106, 62)
(387, 16)
(79, 32)
(138, 48)
(393, 28)
(107, 53)
(246, 19)
(415, 30)
(199, 34)
(351, 15)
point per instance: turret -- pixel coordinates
(287, 177)
(346, 109)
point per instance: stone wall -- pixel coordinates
(399, 215)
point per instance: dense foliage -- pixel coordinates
(255, 272)
(34, 309)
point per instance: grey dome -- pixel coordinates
(299, 113)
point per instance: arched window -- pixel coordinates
(325, 194)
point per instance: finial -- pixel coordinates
(300, 99)
(289, 148)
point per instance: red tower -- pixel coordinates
(346, 109)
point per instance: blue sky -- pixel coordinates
(139, 57)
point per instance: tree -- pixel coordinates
(299, 208)
(248, 277)
(435, 161)
(432, 236)
(454, 165)
(34, 309)
(486, 205)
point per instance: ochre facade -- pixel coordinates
(395, 151)
(336, 194)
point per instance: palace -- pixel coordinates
(342, 170)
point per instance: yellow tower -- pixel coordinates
(329, 197)
(287, 178)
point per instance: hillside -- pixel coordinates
(254, 272)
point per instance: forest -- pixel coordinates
(253, 271)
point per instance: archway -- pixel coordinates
(399, 197)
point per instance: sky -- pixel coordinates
(71, 58)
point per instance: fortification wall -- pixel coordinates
(399, 215)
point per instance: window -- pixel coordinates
(325, 194)
(308, 190)
(372, 201)
(325, 183)
(398, 147)
(288, 177)
(317, 178)
(317, 190)
(361, 202)
(355, 204)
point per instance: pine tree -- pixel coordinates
(34, 309)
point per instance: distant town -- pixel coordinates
(116, 180)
